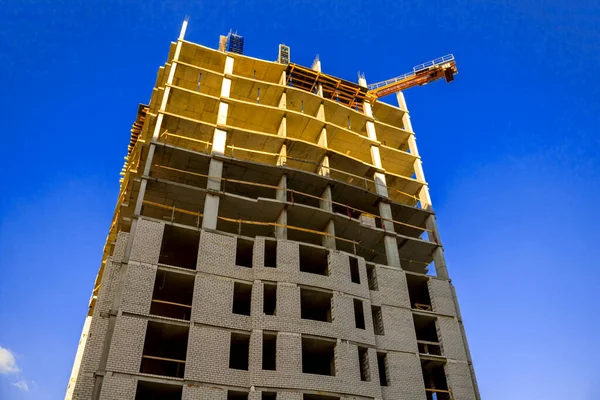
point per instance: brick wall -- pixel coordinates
(208, 358)
(459, 380)
(406, 378)
(398, 329)
(147, 241)
(118, 387)
(127, 344)
(442, 300)
(138, 286)
(450, 338)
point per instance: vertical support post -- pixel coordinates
(215, 168)
(385, 211)
(438, 254)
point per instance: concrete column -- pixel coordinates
(390, 242)
(438, 254)
(326, 198)
(329, 241)
(281, 195)
(215, 168)
(282, 157)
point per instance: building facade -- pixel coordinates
(273, 239)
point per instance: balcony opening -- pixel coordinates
(158, 391)
(384, 373)
(269, 351)
(165, 349)
(172, 295)
(354, 274)
(363, 359)
(315, 304)
(359, 314)
(243, 252)
(270, 298)
(434, 377)
(372, 277)
(268, 396)
(418, 291)
(314, 260)
(242, 298)
(308, 396)
(427, 338)
(239, 349)
(179, 247)
(377, 320)
(270, 254)
(235, 395)
(318, 356)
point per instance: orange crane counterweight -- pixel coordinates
(443, 67)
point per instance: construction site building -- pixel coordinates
(273, 239)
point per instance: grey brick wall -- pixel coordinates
(94, 345)
(138, 287)
(442, 301)
(406, 378)
(120, 247)
(127, 344)
(118, 387)
(208, 358)
(450, 338)
(147, 241)
(393, 290)
(84, 387)
(459, 380)
(213, 303)
(203, 393)
(108, 286)
(399, 330)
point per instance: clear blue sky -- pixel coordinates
(510, 149)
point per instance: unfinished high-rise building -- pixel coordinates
(273, 239)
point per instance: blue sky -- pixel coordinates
(510, 150)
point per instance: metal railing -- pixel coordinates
(417, 68)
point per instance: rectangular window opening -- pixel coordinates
(242, 298)
(318, 356)
(235, 395)
(354, 274)
(172, 295)
(315, 304)
(434, 377)
(372, 277)
(426, 331)
(418, 292)
(382, 363)
(179, 247)
(243, 252)
(270, 253)
(363, 359)
(165, 348)
(377, 320)
(239, 349)
(269, 396)
(359, 314)
(154, 390)
(270, 299)
(269, 351)
(314, 260)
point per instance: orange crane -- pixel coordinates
(422, 74)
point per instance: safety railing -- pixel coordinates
(437, 61)
(416, 69)
(429, 347)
